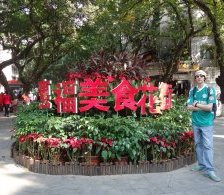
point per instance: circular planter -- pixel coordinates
(94, 168)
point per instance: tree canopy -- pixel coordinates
(48, 38)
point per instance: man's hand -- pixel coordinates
(193, 108)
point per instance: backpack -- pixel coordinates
(214, 106)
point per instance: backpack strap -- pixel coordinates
(214, 106)
(209, 91)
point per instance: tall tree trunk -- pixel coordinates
(4, 82)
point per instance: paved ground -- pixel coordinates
(16, 180)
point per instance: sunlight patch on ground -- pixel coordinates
(5, 138)
(10, 184)
(218, 136)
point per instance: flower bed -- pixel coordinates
(46, 138)
(80, 150)
(72, 168)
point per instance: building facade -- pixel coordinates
(11, 72)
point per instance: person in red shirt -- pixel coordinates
(7, 100)
(1, 101)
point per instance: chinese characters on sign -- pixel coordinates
(45, 94)
(73, 97)
(93, 94)
(66, 99)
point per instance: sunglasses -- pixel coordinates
(200, 75)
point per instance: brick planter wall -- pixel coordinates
(70, 168)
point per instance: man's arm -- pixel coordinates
(211, 100)
(190, 103)
(192, 108)
(207, 107)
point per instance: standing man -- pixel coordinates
(200, 102)
(7, 100)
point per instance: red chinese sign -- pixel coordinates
(94, 91)
(66, 99)
(45, 94)
(125, 96)
(152, 99)
(95, 94)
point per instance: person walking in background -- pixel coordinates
(26, 98)
(200, 102)
(1, 101)
(7, 101)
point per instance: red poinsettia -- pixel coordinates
(163, 142)
(53, 142)
(74, 142)
(187, 135)
(33, 136)
(86, 140)
(173, 144)
(107, 141)
(23, 138)
(29, 137)
(154, 140)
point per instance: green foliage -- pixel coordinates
(31, 119)
(113, 137)
(171, 122)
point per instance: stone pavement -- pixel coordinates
(16, 180)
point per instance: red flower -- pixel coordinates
(164, 144)
(187, 135)
(162, 141)
(110, 79)
(154, 140)
(33, 136)
(23, 138)
(107, 141)
(74, 142)
(174, 144)
(53, 142)
(86, 140)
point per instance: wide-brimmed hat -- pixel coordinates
(200, 72)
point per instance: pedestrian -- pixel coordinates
(7, 101)
(200, 102)
(1, 101)
(26, 98)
